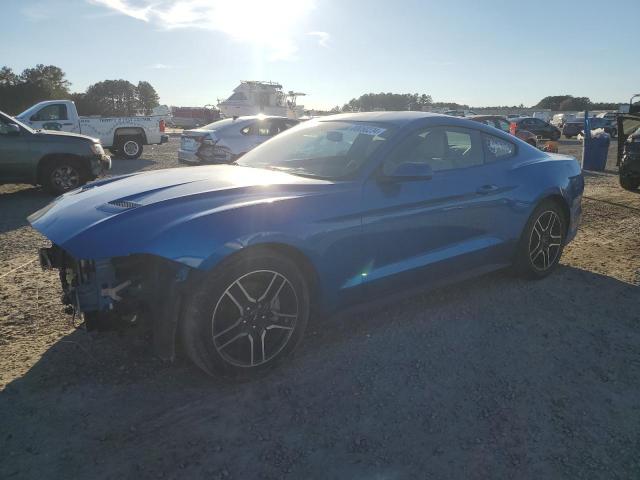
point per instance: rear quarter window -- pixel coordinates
(497, 148)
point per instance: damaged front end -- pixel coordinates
(115, 293)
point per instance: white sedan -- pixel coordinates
(226, 140)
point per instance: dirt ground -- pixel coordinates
(493, 378)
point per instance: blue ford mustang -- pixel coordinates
(234, 260)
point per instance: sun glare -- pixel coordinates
(268, 24)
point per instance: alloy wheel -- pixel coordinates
(545, 241)
(65, 177)
(254, 318)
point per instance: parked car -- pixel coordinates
(504, 125)
(338, 211)
(606, 124)
(573, 128)
(538, 127)
(226, 140)
(124, 136)
(58, 161)
(576, 127)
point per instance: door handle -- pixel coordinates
(485, 189)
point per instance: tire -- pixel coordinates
(629, 183)
(129, 148)
(231, 347)
(546, 227)
(63, 175)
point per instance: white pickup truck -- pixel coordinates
(124, 136)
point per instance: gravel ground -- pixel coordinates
(492, 378)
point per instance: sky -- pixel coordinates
(194, 52)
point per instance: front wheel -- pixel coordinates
(63, 176)
(542, 241)
(247, 316)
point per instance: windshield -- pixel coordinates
(330, 149)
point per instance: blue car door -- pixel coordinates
(437, 229)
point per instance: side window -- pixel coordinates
(497, 148)
(464, 148)
(51, 112)
(442, 148)
(263, 128)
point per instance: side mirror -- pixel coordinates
(410, 171)
(12, 129)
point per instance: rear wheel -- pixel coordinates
(129, 148)
(247, 316)
(63, 175)
(542, 241)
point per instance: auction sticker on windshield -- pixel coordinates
(367, 130)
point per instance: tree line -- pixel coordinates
(48, 82)
(566, 103)
(416, 101)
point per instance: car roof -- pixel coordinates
(397, 118)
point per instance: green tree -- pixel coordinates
(49, 79)
(575, 103)
(7, 77)
(148, 98)
(110, 98)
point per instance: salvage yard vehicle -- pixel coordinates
(123, 136)
(235, 260)
(227, 140)
(538, 127)
(56, 160)
(503, 124)
(576, 127)
(629, 151)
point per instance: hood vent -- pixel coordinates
(124, 204)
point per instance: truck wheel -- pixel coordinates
(129, 148)
(63, 175)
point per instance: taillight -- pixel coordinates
(513, 126)
(161, 124)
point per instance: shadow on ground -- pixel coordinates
(492, 378)
(17, 204)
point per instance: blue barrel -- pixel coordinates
(596, 150)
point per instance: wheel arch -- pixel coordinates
(561, 202)
(129, 132)
(301, 260)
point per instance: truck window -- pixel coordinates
(51, 112)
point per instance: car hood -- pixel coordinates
(146, 204)
(55, 135)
